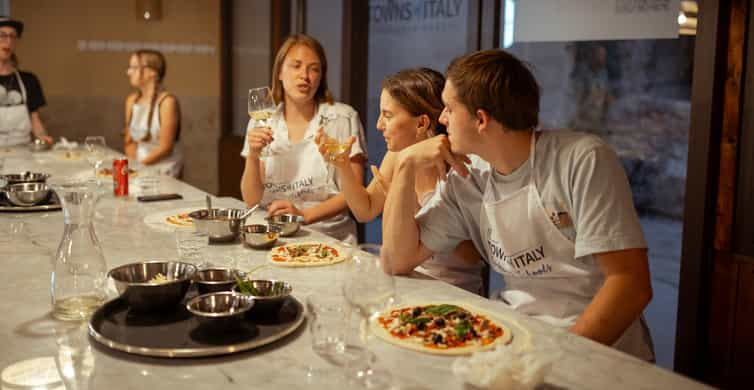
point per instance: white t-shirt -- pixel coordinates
(578, 174)
(450, 269)
(298, 173)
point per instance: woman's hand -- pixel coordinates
(284, 207)
(47, 139)
(258, 138)
(382, 183)
(342, 159)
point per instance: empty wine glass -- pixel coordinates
(96, 148)
(368, 288)
(261, 110)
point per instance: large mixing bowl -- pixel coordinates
(26, 177)
(153, 285)
(288, 223)
(260, 236)
(221, 225)
(27, 194)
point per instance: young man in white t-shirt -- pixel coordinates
(551, 211)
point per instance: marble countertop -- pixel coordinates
(36, 348)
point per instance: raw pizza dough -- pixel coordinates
(399, 325)
(306, 254)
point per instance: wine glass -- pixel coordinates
(261, 110)
(369, 288)
(96, 147)
(337, 131)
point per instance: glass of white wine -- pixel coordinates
(337, 132)
(261, 110)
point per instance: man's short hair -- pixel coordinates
(499, 83)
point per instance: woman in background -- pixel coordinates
(295, 179)
(153, 117)
(21, 94)
(410, 106)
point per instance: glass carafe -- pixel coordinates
(79, 269)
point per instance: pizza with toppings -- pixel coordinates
(308, 254)
(109, 172)
(181, 220)
(445, 329)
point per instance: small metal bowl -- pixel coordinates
(269, 295)
(211, 280)
(221, 225)
(26, 177)
(39, 145)
(220, 311)
(27, 194)
(136, 285)
(260, 236)
(288, 223)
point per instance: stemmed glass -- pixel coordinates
(96, 148)
(261, 110)
(369, 288)
(337, 130)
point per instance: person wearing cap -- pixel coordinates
(21, 94)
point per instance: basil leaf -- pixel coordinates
(441, 310)
(419, 320)
(462, 329)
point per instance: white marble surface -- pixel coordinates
(28, 240)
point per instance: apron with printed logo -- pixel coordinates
(298, 174)
(542, 277)
(15, 122)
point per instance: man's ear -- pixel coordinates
(483, 119)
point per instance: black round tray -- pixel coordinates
(178, 333)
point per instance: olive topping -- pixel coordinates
(416, 312)
(421, 325)
(461, 315)
(440, 322)
(437, 338)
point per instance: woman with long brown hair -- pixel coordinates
(294, 179)
(153, 116)
(410, 106)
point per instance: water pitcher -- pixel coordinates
(79, 269)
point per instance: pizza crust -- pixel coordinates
(179, 220)
(385, 335)
(317, 263)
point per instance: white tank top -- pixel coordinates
(170, 165)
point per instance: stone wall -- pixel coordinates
(634, 94)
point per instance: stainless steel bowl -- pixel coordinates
(211, 280)
(26, 177)
(27, 194)
(221, 225)
(220, 311)
(260, 236)
(39, 145)
(268, 295)
(288, 223)
(138, 284)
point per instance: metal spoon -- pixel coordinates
(248, 212)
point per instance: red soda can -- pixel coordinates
(120, 177)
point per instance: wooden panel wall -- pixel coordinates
(730, 347)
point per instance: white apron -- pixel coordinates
(542, 277)
(298, 174)
(15, 121)
(170, 165)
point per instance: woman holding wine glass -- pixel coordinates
(283, 170)
(410, 106)
(153, 117)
